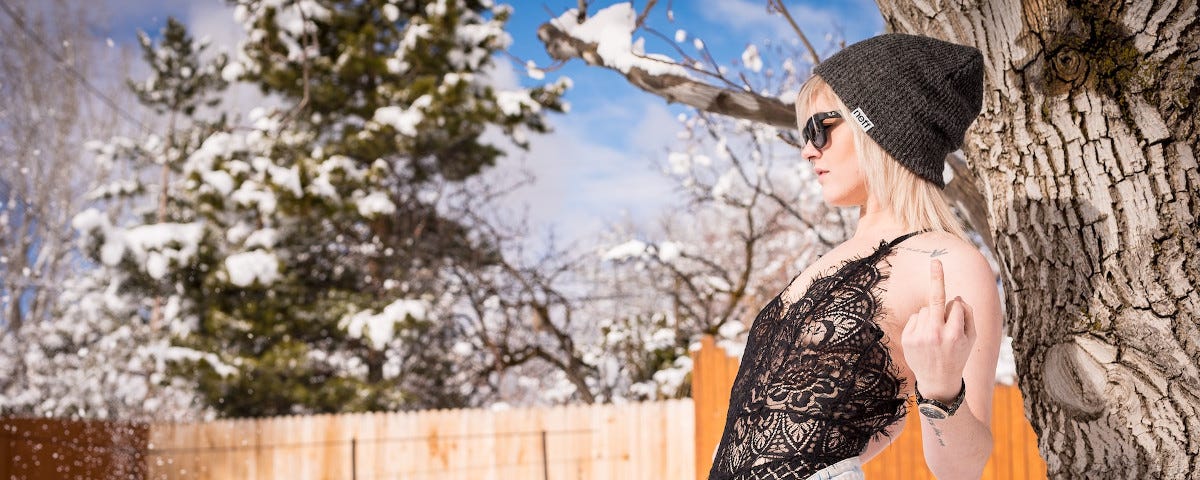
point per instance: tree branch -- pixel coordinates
(962, 192)
(779, 7)
(641, 19)
(675, 88)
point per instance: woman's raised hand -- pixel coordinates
(938, 339)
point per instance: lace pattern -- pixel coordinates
(816, 381)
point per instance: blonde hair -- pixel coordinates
(916, 202)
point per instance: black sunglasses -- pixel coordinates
(815, 131)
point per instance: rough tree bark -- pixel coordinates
(1084, 162)
(1086, 154)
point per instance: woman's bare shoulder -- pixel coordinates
(963, 263)
(931, 245)
(948, 248)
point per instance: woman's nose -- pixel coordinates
(809, 152)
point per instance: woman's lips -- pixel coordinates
(821, 171)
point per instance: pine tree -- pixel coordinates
(301, 259)
(94, 355)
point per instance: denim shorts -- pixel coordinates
(848, 469)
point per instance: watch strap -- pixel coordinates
(948, 409)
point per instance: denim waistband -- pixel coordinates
(848, 469)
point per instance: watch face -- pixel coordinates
(933, 412)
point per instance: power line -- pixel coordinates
(12, 14)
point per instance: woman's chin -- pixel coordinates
(841, 198)
(835, 200)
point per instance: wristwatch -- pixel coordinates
(938, 410)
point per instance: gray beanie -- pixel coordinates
(914, 95)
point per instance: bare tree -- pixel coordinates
(46, 116)
(615, 319)
(1082, 174)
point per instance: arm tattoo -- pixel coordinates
(937, 432)
(937, 252)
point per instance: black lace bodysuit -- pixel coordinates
(816, 380)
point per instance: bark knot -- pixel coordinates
(1075, 374)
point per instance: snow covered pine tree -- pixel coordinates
(300, 258)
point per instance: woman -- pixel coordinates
(831, 361)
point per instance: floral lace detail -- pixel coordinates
(816, 381)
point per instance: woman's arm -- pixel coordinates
(947, 344)
(881, 441)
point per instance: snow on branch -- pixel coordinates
(605, 40)
(380, 328)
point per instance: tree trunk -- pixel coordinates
(1086, 154)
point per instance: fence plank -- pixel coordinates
(712, 378)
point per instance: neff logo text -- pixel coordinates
(862, 119)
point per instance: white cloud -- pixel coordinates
(214, 20)
(582, 184)
(501, 74)
(655, 131)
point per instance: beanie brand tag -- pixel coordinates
(861, 118)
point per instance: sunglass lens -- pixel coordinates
(815, 133)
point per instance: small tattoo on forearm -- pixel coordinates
(937, 252)
(937, 432)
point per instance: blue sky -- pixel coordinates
(600, 163)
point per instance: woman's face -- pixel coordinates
(843, 183)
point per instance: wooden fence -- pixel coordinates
(670, 440)
(37, 448)
(1014, 455)
(631, 441)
